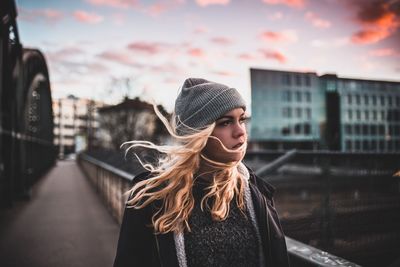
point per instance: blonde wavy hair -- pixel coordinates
(172, 179)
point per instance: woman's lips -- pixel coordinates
(238, 145)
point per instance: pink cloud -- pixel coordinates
(65, 53)
(171, 80)
(114, 3)
(161, 7)
(40, 14)
(273, 36)
(384, 52)
(119, 57)
(157, 8)
(196, 52)
(369, 36)
(224, 73)
(289, 3)
(166, 68)
(276, 16)
(200, 30)
(148, 47)
(317, 21)
(246, 56)
(204, 3)
(221, 40)
(274, 55)
(119, 18)
(285, 37)
(86, 17)
(378, 19)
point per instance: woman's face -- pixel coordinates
(230, 129)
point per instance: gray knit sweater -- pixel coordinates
(233, 242)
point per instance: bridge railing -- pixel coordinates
(112, 183)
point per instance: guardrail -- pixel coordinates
(111, 183)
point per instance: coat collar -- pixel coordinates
(262, 185)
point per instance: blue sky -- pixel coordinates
(93, 47)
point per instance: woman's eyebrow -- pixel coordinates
(230, 117)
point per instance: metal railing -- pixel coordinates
(112, 183)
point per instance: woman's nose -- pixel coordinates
(239, 130)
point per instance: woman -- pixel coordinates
(200, 206)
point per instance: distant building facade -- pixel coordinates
(131, 119)
(306, 111)
(75, 124)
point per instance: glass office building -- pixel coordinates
(306, 111)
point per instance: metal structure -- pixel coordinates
(26, 116)
(341, 202)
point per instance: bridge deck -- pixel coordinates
(64, 224)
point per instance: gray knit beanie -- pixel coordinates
(201, 102)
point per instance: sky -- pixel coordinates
(106, 49)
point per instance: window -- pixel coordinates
(307, 129)
(382, 100)
(298, 112)
(307, 95)
(298, 96)
(358, 114)
(383, 117)
(286, 79)
(357, 129)
(381, 145)
(389, 145)
(348, 145)
(391, 130)
(287, 96)
(373, 145)
(366, 115)
(365, 129)
(298, 80)
(397, 145)
(381, 128)
(398, 101)
(365, 145)
(286, 130)
(389, 101)
(350, 114)
(287, 112)
(374, 100)
(308, 80)
(374, 115)
(308, 113)
(358, 99)
(396, 115)
(397, 130)
(349, 99)
(374, 130)
(357, 144)
(348, 129)
(366, 99)
(297, 128)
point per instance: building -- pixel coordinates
(131, 119)
(306, 111)
(75, 124)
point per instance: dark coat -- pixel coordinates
(139, 246)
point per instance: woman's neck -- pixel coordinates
(206, 171)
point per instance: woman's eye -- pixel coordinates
(224, 123)
(244, 119)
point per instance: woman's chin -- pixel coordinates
(232, 157)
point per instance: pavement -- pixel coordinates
(65, 223)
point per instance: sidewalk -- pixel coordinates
(64, 224)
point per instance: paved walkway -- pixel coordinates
(64, 224)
